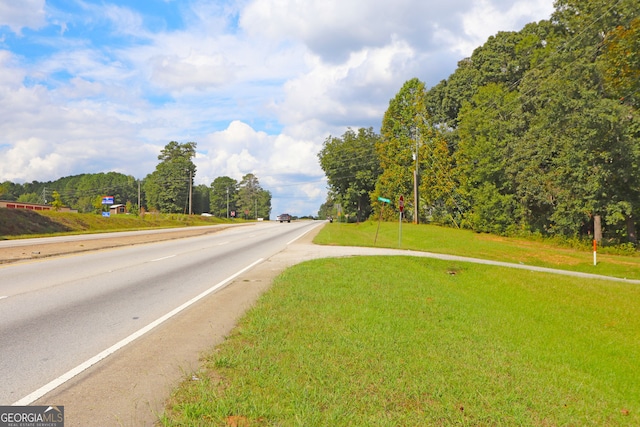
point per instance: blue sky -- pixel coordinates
(91, 86)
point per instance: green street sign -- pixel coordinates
(382, 199)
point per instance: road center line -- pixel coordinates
(27, 400)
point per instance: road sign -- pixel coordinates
(382, 199)
(107, 200)
(401, 203)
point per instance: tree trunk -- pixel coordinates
(597, 228)
(631, 230)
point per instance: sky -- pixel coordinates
(89, 86)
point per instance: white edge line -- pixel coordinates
(30, 398)
(3, 296)
(296, 238)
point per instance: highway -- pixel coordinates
(61, 315)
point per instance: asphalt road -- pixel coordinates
(59, 316)
(96, 236)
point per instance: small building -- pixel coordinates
(31, 206)
(117, 209)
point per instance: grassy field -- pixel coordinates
(20, 223)
(403, 341)
(486, 246)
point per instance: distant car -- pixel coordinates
(283, 218)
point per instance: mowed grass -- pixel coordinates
(445, 240)
(404, 341)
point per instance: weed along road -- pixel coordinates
(62, 317)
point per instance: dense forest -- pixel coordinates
(168, 189)
(536, 132)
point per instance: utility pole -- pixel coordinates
(227, 202)
(190, 192)
(416, 213)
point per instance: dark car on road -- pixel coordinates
(284, 217)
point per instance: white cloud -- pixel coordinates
(196, 71)
(22, 14)
(11, 75)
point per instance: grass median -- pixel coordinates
(389, 341)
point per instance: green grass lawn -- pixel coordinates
(403, 341)
(452, 241)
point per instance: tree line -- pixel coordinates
(536, 132)
(168, 189)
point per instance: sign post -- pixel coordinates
(106, 201)
(401, 207)
(383, 200)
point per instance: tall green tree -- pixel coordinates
(201, 199)
(543, 126)
(352, 168)
(620, 63)
(167, 188)
(224, 191)
(253, 201)
(405, 134)
(57, 201)
(489, 128)
(3, 189)
(576, 159)
(439, 196)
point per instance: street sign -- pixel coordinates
(401, 203)
(107, 200)
(382, 199)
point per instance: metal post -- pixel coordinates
(379, 221)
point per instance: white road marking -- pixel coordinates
(3, 296)
(305, 232)
(27, 400)
(163, 258)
